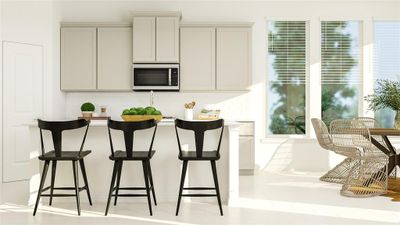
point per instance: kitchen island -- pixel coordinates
(165, 164)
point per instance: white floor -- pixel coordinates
(265, 199)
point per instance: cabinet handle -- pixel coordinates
(169, 77)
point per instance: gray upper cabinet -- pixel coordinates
(144, 39)
(96, 58)
(215, 57)
(233, 58)
(114, 58)
(167, 40)
(78, 59)
(197, 53)
(155, 39)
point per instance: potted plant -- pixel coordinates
(387, 95)
(87, 109)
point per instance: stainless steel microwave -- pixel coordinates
(156, 77)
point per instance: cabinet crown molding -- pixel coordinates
(216, 24)
(95, 24)
(158, 14)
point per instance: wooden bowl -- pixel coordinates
(133, 118)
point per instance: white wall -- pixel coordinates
(32, 22)
(239, 106)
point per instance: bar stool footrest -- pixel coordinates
(199, 188)
(58, 195)
(129, 195)
(199, 195)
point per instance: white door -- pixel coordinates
(22, 103)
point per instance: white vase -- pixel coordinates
(188, 114)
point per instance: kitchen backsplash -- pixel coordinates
(233, 105)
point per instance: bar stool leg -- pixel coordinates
(111, 185)
(83, 169)
(146, 181)
(53, 178)
(214, 170)
(42, 180)
(151, 184)
(184, 168)
(118, 181)
(76, 181)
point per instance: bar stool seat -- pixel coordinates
(66, 156)
(136, 155)
(207, 155)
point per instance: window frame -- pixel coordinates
(313, 55)
(360, 86)
(267, 83)
(373, 41)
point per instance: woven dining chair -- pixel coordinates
(341, 171)
(368, 177)
(373, 123)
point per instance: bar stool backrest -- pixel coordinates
(322, 133)
(56, 128)
(199, 128)
(129, 128)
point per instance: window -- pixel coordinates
(386, 61)
(340, 69)
(287, 77)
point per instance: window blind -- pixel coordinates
(340, 52)
(387, 50)
(287, 51)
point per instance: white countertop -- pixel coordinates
(163, 122)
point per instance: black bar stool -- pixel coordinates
(56, 128)
(119, 157)
(199, 128)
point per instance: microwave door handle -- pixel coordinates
(169, 77)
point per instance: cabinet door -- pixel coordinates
(197, 64)
(78, 59)
(246, 153)
(233, 58)
(144, 39)
(167, 40)
(114, 57)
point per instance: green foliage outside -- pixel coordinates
(338, 99)
(288, 112)
(88, 107)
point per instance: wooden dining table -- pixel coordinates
(389, 150)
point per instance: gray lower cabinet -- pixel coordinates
(78, 59)
(114, 59)
(246, 148)
(96, 58)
